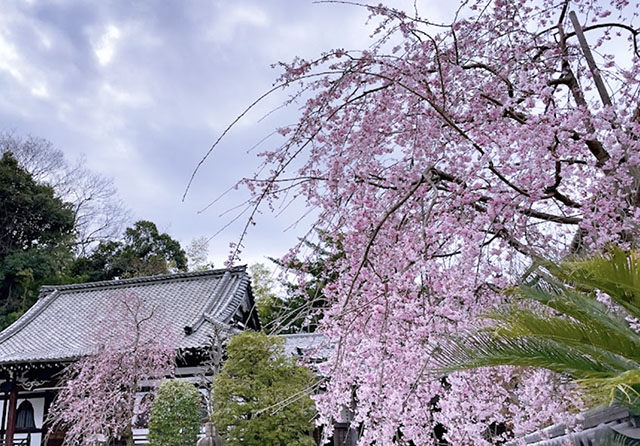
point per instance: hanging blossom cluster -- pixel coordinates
(440, 161)
(100, 397)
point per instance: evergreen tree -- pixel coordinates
(302, 307)
(143, 251)
(260, 395)
(99, 215)
(36, 231)
(175, 415)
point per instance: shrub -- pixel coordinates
(260, 395)
(175, 415)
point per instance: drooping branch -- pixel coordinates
(515, 166)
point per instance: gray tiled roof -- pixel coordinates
(597, 426)
(311, 345)
(66, 321)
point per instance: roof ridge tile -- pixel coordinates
(140, 280)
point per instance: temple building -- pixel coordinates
(65, 322)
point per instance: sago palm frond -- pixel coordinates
(489, 350)
(619, 440)
(558, 323)
(614, 336)
(622, 388)
(616, 273)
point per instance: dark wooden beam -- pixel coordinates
(11, 422)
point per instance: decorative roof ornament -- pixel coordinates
(211, 438)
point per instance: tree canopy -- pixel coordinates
(31, 215)
(36, 230)
(298, 305)
(60, 223)
(175, 415)
(261, 396)
(142, 251)
(448, 156)
(268, 303)
(97, 211)
(97, 401)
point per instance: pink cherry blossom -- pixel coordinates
(443, 159)
(100, 392)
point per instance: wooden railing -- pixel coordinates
(26, 441)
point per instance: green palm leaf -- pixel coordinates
(616, 273)
(557, 323)
(488, 350)
(619, 440)
(613, 337)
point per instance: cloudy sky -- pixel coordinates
(142, 89)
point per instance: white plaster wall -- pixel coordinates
(38, 415)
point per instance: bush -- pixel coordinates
(260, 395)
(175, 415)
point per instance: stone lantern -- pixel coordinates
(211, 438)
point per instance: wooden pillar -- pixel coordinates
(11, 422)
(3, 424)
(48, 399)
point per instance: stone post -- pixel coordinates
(211, 438)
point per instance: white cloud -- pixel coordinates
(116, 95)
(44, 39)
(229, 21)
(9, 59)
(25, 74)
(106, 47)
(174, 77)
(40, 91)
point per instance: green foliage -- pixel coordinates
(261, 395)
(558, 323)
(268, 303)
(148, 250)
(98, 213)
(31, 215)
(40, 233)
(198, 254)
(143, 251)
(303, 306)
(175, 415)
(36, 231)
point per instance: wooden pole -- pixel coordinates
(11, 423)
(3, 425)
(602, 90)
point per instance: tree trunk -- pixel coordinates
(128, 436)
